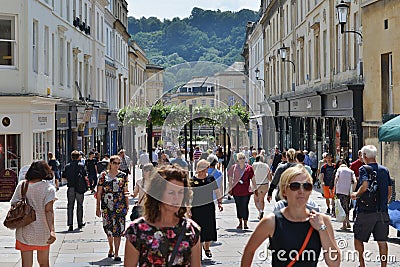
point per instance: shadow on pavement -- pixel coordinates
(209, 262)
(106, 262)
(394, 240)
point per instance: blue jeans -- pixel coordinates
(242, 206)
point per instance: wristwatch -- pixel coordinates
(322, 228)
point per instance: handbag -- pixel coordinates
(306, 240)
(137, 210)
(20, 214)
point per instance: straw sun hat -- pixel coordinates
(202, 165)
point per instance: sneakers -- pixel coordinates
(70, 228)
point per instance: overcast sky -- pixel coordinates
(182, 8)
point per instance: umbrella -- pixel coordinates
(394, 214)
(390, 130)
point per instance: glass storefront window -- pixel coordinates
(40, 146)
(10, 152)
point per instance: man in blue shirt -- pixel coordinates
(375, 222)
(213, 160)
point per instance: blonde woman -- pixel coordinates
(295, 226)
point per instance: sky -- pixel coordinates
(170, 9)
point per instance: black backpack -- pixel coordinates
(368, 200)
(81, 184)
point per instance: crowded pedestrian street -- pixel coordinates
(89, 246)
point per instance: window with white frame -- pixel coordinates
(212, 103)
(61, 63)
(7, 41)
(46, 56)
(35, 46)
(52, 58)
(39, 146)
(203, 102)
(231, 100)
(68, 64)
(68, 10)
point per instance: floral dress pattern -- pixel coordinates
(113, 204)
(155, 245)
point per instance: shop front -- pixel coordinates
(27, 127)
(100, 133)
(63, 135)
(305, 113)
(343, 114)
(112, 139)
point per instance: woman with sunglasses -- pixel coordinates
(112, 204)
(295, 229)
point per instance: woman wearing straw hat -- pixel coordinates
(203, 208)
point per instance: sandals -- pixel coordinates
(208, 253)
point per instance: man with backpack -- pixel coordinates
(76, 176)
(373, 195)
(326, 176)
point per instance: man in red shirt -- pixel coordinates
(355, 167)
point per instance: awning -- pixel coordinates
(390, 131)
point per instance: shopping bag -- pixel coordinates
(339, 211)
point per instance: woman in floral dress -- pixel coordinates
(112, 204)
(152, 239)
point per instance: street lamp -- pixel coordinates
(283, 52)
(257, 71)
(342, 12)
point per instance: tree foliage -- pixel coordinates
(175, 115)
(205, 35)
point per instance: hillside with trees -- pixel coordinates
(206, 35)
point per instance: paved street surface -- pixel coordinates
(89, 247)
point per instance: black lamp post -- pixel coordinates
(257, 71)
(283, 52)
(343, 12)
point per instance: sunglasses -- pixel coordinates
(116, 163)
(296, 186)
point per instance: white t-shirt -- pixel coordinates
(344, 177)
(38, 195)
(261, 171)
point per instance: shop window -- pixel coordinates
(10, 152)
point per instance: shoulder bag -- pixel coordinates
(20, 214)
(178, 242)
(306, 240)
